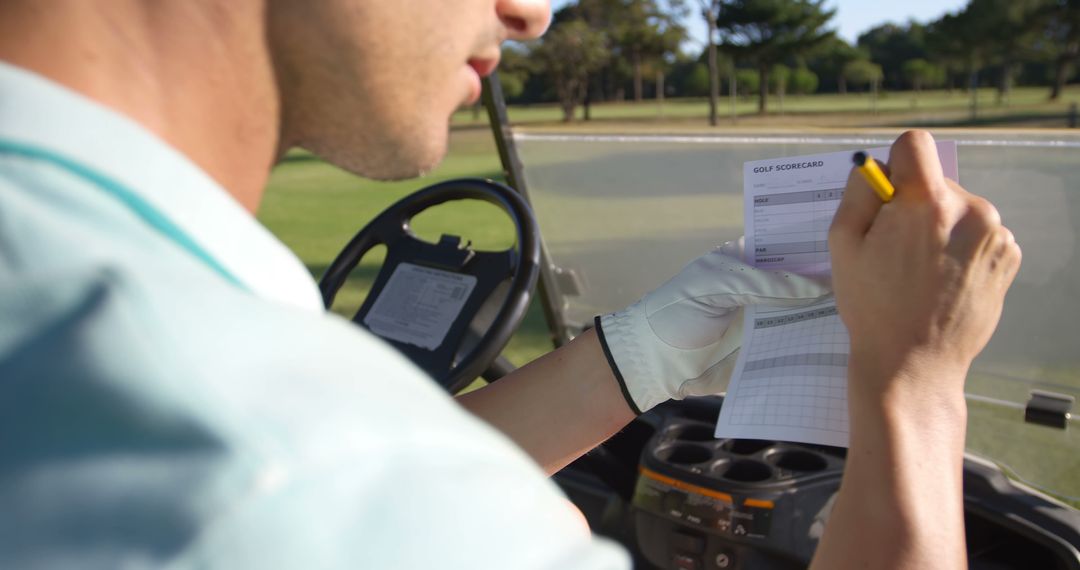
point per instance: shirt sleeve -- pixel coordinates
(268, 439)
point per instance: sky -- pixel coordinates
(852, 16)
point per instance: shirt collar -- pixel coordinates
(37, 112)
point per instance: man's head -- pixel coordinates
(369, 85)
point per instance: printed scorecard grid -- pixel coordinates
(791, 229)
(793, 373)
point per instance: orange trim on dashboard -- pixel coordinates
(685, 486)
(759, 503)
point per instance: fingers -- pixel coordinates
(763, 287)
(736, 249)
(980, 235)
(915, 171)
(1010, 255)
(856, 212)
(916, 167)
(975, 230)
(715, 283)
(1005, 256)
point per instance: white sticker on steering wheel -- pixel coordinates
(419, 304)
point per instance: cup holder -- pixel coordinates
(706, 413)
(684, 454)
(748, 471)
(798, 461)
(746, 446)
(694, 433)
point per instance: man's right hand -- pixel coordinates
(919, 283)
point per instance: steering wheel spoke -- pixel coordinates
(426, 295)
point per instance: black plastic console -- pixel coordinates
(703, 503)
(732, 503)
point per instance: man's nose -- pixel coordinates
(524, 19)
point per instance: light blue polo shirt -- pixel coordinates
(172, 394)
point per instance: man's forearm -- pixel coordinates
(901, 500)
(559, 406)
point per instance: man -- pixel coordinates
(172, 394)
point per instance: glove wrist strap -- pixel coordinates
(615, 367)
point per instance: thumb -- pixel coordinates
(736, 249)
(855, 214)
(739, 285)
(696, 306)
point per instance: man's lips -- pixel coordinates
(483, 66)
(480, 67)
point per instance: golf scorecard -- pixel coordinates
(790, 378)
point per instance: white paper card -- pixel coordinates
(419, 304)
(790, 379)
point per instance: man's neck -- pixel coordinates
(197, 74)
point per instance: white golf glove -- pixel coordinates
(682, 338)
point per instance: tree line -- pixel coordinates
(618, 50)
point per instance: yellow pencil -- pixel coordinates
(873, 174)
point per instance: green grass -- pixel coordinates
(1025, 105)
(1041, 456)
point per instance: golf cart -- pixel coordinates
(603, 218)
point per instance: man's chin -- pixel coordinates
(401, 173)
(390, 162)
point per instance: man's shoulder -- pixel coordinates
(52, 217)
(88, 290)
(243, 432)
(187, 419)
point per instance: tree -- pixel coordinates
(747, 81)
(1063, 40)
(952, 43)
(638, 32)
(918, 72)
(766, 32)
(992, 34)
(644, 32)
(710, 11)
(696, 82)
(778, 82)
(803, 81)
(968, 38)
(568, 53)
(863, 72)
(1012, 27)
(779, 76)
(515, 67)
(828, 60)
(890, 45)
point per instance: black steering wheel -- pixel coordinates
(426, 295)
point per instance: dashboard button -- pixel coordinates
(684, 562)
(686, 542)
(724, 560)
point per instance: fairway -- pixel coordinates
(1026, 106)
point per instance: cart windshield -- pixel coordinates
(621, 213)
